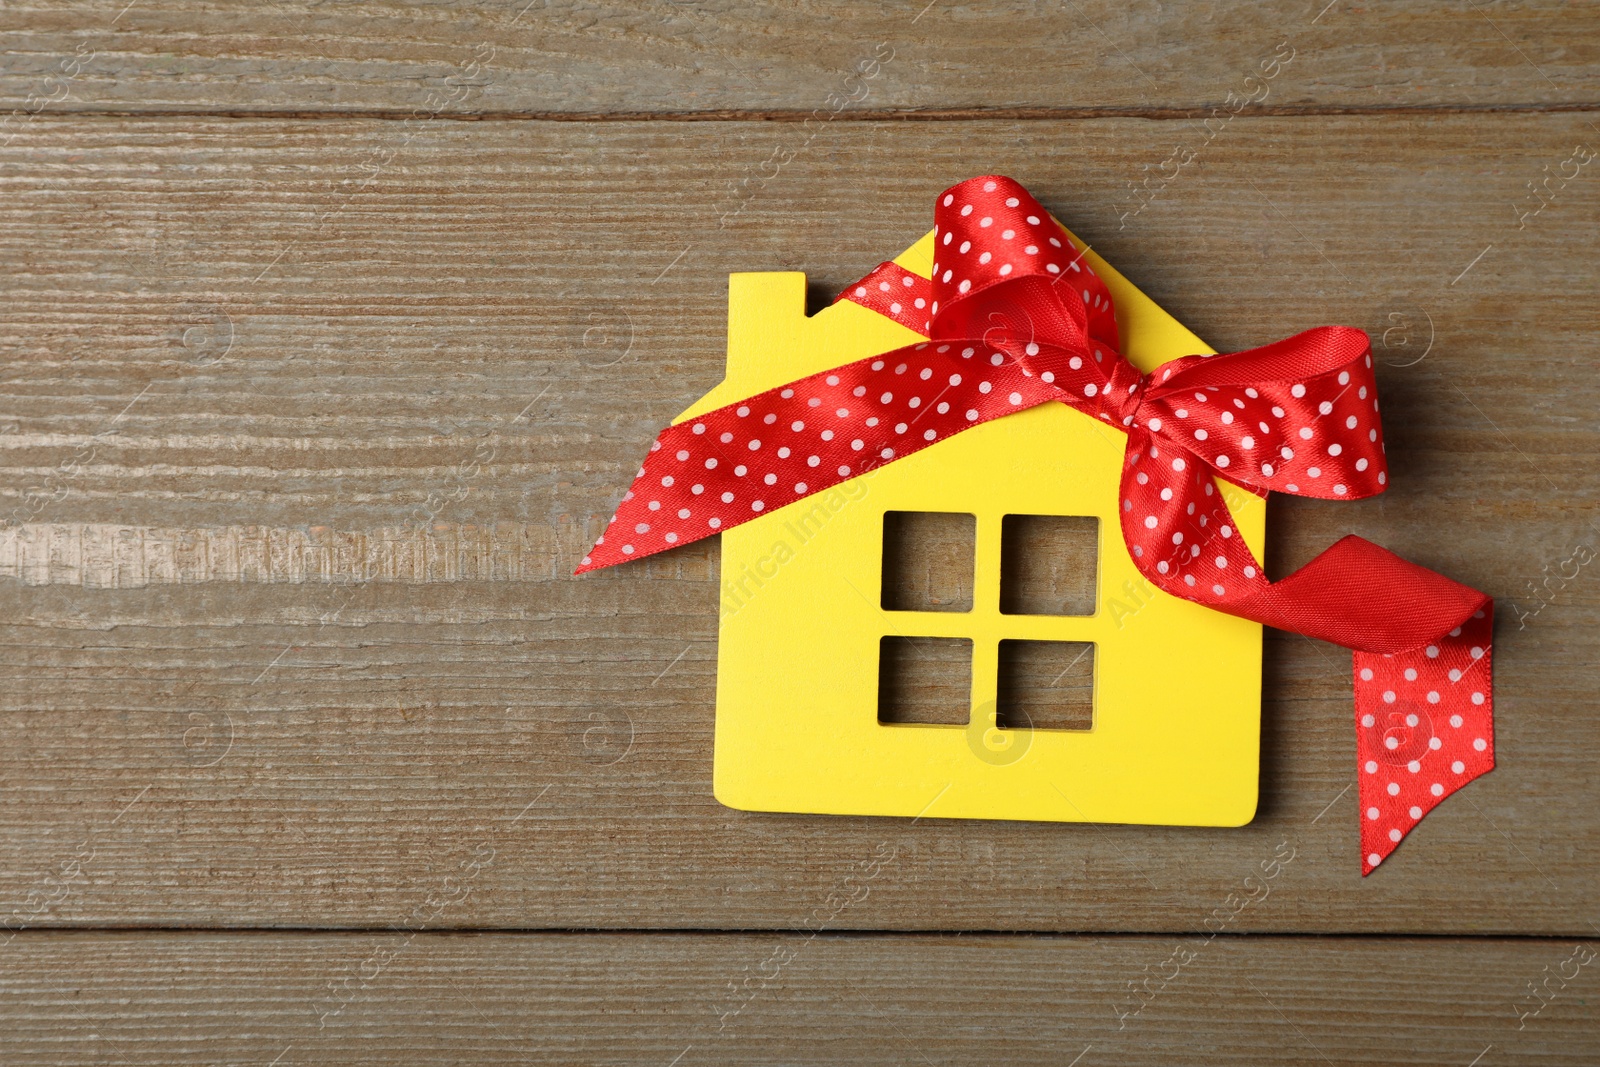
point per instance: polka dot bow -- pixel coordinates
(1014, 316)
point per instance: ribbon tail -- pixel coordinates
(1422, 642)
(1424, 729)
(726, 467)
(888, 289)
(1364, 597)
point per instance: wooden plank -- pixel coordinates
(794, 999)
(522, 57)
(298, 458)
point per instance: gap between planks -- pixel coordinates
(1028, 114)
(855, 934)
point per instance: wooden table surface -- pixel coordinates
(333, 331)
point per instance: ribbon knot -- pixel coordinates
(1015, 316)
(1122, 396)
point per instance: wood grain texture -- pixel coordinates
(110, 555)
(418, 998)
(1049, 565)
(587, 57)
(335, 335)
(928, 560)
(925, 679)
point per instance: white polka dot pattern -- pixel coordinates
(1432, 731)
(806, 437)
(1015, 316)
(895, 293)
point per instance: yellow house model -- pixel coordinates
(1172, 733)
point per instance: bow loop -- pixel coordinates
(1001, 262)
(1297, 416)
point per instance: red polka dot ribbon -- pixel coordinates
(1014, 316)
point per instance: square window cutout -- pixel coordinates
(1049, 564)
(1046, 685)
(928, 560)
(925, 680)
